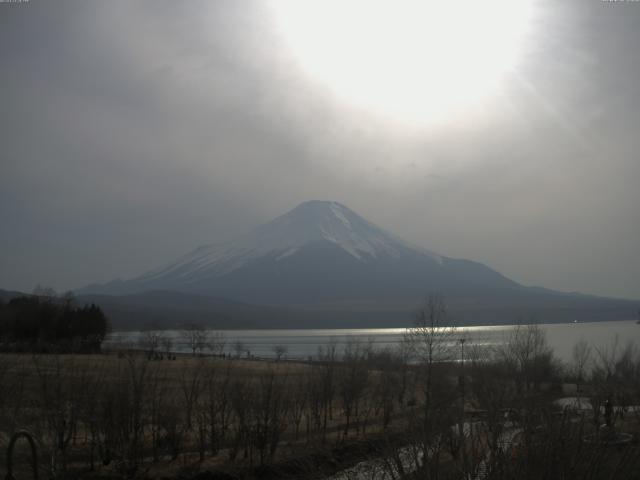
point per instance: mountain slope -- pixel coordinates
(319, 251)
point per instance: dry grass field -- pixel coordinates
(131, 414)
(125, 414)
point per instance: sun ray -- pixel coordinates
(412, 60)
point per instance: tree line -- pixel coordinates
(46, 322)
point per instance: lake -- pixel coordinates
(301, 344)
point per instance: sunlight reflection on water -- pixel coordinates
(301, 344)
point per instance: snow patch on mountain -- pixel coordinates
(291, 251)
(335, 208)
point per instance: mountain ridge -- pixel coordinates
(317, 238)
(323, 265)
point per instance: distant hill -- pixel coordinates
(321, 264)
(168, 310)
(6, 295)
(171, 310)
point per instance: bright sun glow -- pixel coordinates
(414, 60)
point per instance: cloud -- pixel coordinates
(131, 133)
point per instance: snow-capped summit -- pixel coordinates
(323, 221)
(311, 223)
(317, 221)
(320, 250)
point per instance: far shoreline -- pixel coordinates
(412, 325)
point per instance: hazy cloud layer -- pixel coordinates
(132, 132)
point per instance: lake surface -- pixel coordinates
(301, 344)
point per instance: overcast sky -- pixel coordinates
(132, 132)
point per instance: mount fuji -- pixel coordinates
(321, 264)
(319, 251)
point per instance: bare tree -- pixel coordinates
(150, 341)
(615, 376)
(167, 344)
(268, 412)
(239, 347)
(241, 396)
(299, 400)
(218, 405)
(315, 388)
(386, 388)
(217, 343)
(530, 355)
(280, 351)
(137, 396)
(157, 389)
(580, 355)
(352, 381)
(432, 342)
(404, 357)
(59, 384)
(195, 337)
(191, 381)
(45, 294)
(328, 358)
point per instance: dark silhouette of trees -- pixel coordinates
(51, 323)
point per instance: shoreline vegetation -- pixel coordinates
(45, 322)
(434, 407)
